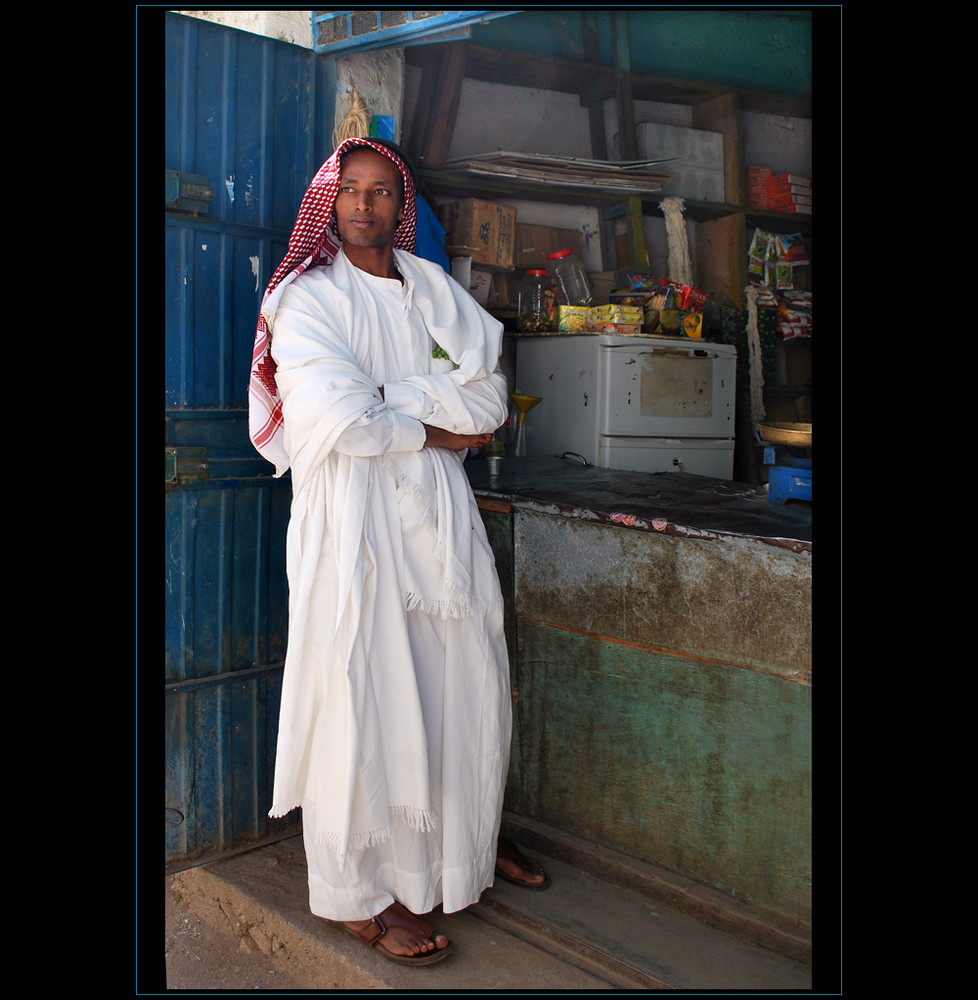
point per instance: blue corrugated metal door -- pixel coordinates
(247, 123)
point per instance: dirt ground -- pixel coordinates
(198, 957)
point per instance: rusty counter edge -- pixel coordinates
(678, 504)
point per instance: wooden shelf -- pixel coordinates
(778, 222)
(462, 184)
(459, 184)
(722, 227)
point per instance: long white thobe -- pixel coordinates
(395, 719)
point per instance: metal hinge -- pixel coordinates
(186, 466)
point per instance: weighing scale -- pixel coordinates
(789, 476)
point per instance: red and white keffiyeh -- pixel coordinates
(314, 243)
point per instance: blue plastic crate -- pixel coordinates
(786, 482)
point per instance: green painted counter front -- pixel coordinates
(699, 767)
(662, 696)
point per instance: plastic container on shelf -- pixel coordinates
(570, 278)
(537, 304)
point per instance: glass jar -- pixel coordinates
(537, 304)
(570, 278)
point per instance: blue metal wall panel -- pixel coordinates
(211, 310)
(225, 634)
(253, 116)
(224, 730)
(250, 109)
(226, 599)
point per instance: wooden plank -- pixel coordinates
(451, 72)
(721, 256)
(437, 105)
(499, 506)
(519, 69)
(625, 99)
(721, 114)
(638, 254)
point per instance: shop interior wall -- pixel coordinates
(494, 117)
(766, 50)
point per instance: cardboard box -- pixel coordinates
(788, 203)
(533, 243)
(779, 179)
(482, 230)
(615, 329)
(615, 319)
(645, 301)
(693, 147)
(481, 287)
(802, 190)
(780, 193)
(602, 285)
(571, 319)
(506, 289)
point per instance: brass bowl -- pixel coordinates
(799, 435)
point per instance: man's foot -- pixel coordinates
(401, 936)
(512, 866)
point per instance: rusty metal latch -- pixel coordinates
(186, 466)
(188, 192)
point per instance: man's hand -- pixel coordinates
(436, 437)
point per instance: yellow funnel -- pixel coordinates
(524, 403)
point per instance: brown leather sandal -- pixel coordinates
(508, 851)
(397, 915)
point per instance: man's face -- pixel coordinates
(368, 203)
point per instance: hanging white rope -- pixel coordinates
(356, 124)
(680, 269)
(757, 412)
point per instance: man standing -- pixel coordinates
(373, 374)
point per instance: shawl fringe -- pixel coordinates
(280, 809)
(419, 495)
(422, 820)
(456, 608)
(456, 604)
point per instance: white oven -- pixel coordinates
(650, 404)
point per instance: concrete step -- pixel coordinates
(718, 910)
(585, 932)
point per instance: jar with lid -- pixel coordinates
(570, 278)
(537, 304)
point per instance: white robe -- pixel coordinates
(395, 720)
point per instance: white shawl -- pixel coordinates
(397, 524)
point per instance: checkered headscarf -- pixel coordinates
(314, 243)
